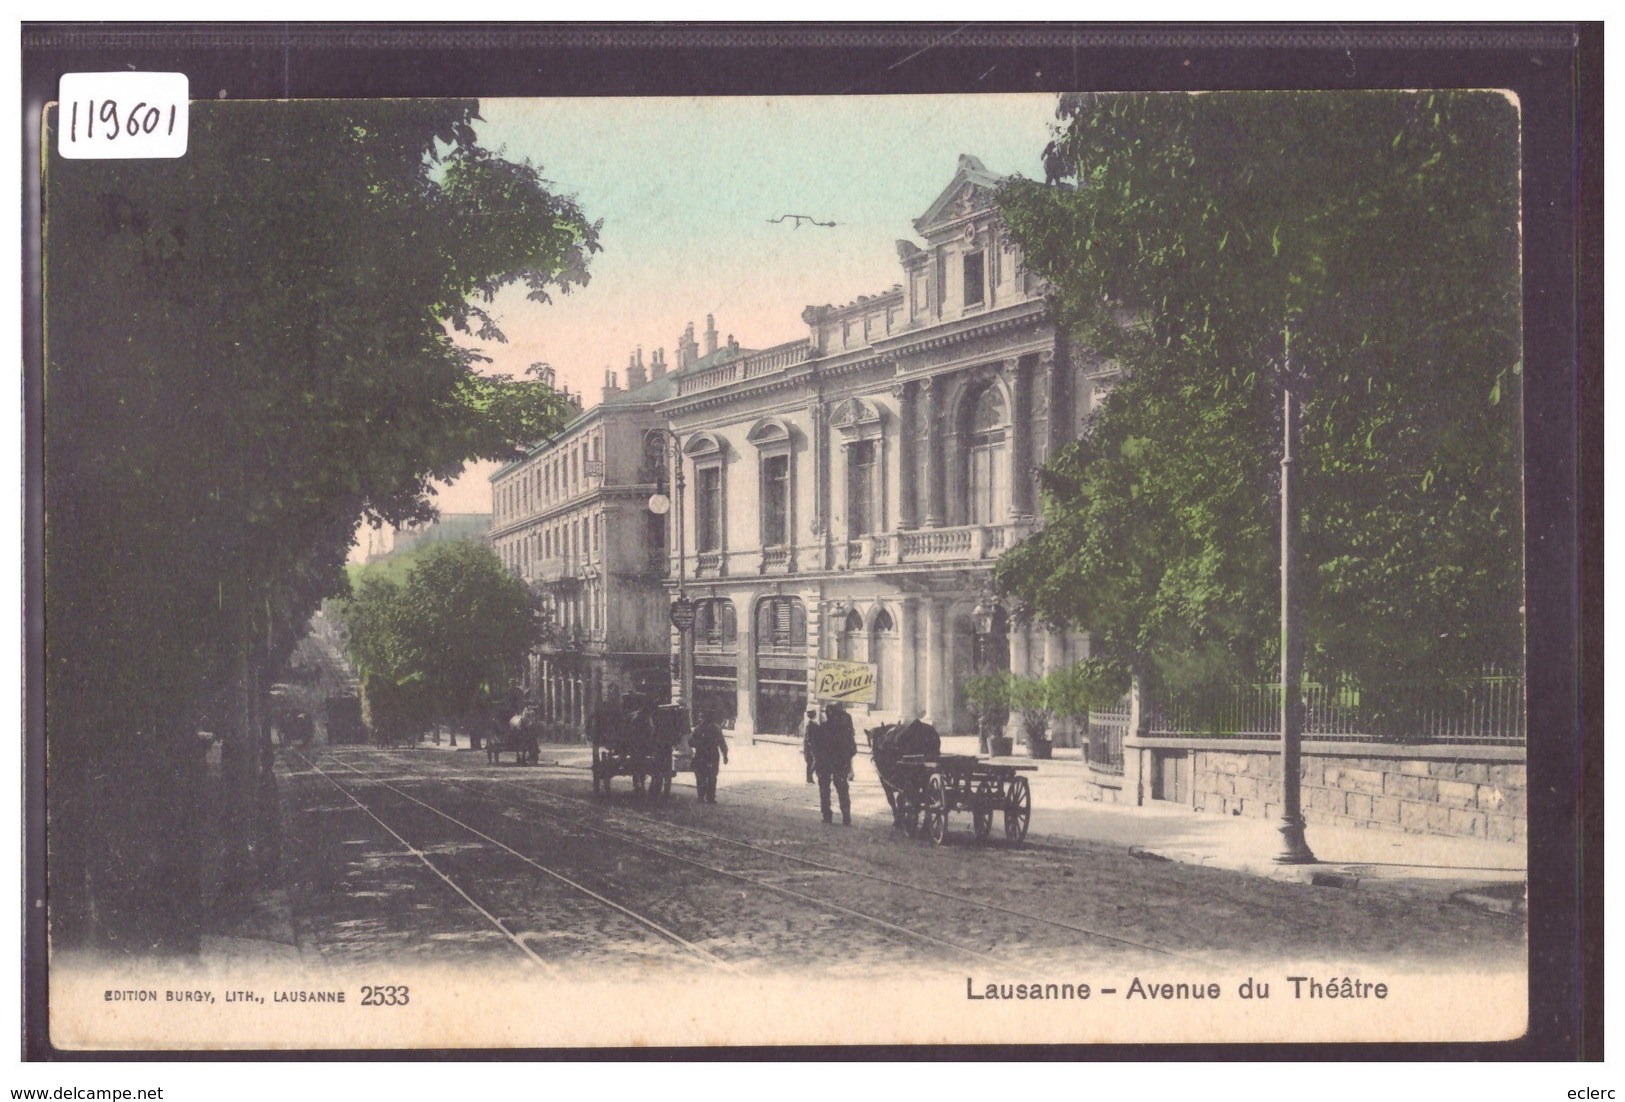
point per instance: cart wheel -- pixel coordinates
(1018, 810)
(936, 809)
(984, 824)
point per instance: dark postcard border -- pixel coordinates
(1554, 68)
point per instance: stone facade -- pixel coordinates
(848, 492)
(1464, 791)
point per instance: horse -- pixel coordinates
(888, 745)
(635, 740)
(519, 737)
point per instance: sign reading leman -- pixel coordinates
(849, 682)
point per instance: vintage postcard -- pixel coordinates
(679, 571)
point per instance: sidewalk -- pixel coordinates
(1473, 871)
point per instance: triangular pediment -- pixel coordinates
(970, 190)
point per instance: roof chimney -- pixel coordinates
(688, 350)
(636, 376)
(657, 363)
(611, 387)
(710, 334)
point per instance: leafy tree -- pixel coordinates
(1194, 239)
(443, 642)
(247, 349)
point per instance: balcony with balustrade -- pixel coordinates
(756, 365)
(963, 543)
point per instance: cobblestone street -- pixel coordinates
(429, 857)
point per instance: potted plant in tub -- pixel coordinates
(1031, 697)
(988, 697)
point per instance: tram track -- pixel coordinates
(515, 937)
(828, 906)
(462, 780)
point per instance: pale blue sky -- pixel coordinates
(685, 188)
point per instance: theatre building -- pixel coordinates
(849, 491)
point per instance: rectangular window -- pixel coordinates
(860, 494)
(708, 509)
(775, 500)
(973, 278)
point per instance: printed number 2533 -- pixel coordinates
(385, 996)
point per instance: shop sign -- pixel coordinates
(844, 682)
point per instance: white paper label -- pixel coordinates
(122, 115)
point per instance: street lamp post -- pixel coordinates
(1294, 849)
(682, 609)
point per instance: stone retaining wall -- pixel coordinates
(1465, 791)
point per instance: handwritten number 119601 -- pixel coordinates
(142, 119)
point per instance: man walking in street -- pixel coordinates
(707, 743)
(807, 732)
(832, 745)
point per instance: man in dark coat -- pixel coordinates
(807, 731)
(708, 744)
(832, 745)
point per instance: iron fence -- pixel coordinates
(1105, 747)
(1484, 710)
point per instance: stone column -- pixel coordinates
(1058, 422)
(1021, 440)
(820, 464)
(1055, 658)
(931, 390)
(745, 664)
(1134, 757)
(935, 661)
(908, 695)
(907, 488)
(1021, 666)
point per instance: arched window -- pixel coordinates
(781, 622)
(988, 458)
(850, 642)
(715, 623)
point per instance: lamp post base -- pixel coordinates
(1294, 850)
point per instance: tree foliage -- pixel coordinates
(1194, 239)
(247, 349)
(443, 641)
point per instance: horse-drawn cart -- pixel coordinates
(927, 789)
(637, 743)
(518, 737)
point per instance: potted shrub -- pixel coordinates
(1031, 697)
(988, 697)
